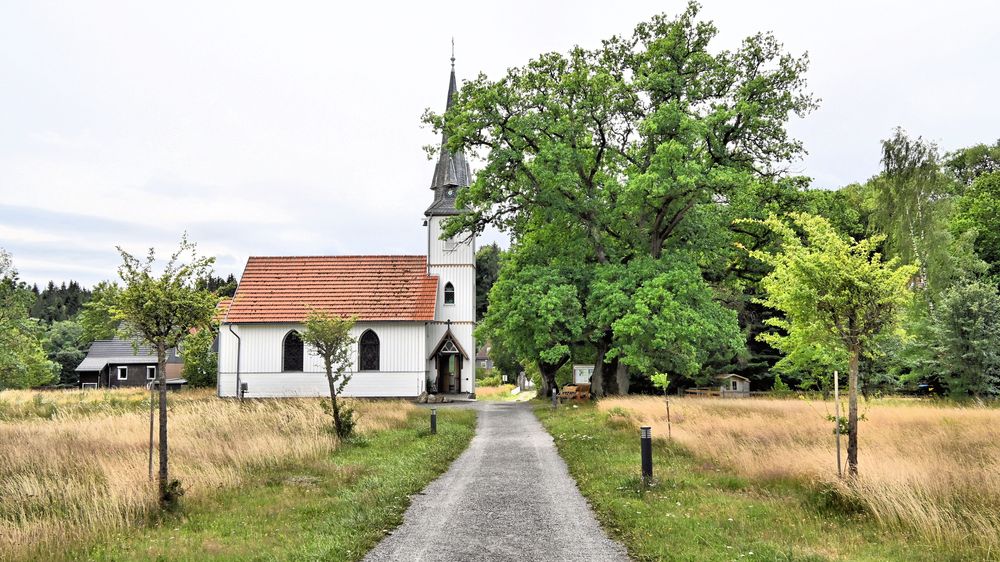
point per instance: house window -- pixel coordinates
(89, 385)
(368, 351)
(449, 293)
(122, 373)
(150, 372)
(291, 352)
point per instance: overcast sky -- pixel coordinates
(294, 127)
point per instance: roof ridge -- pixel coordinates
(345, 256)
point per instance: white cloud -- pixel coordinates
(290, 129)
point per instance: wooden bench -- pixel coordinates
(575, 392)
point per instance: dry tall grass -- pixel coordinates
(74, 464)
(492, 391)
(932, 469)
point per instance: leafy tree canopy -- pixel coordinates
(978, 213)
(161, 308)
(487, 269)
(23, 361)
(64, 345)
(965, 340)
(629, 147)
(833, 291)
(967, 164)
(201, 365)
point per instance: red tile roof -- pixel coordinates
(221, 309)
(285, 289)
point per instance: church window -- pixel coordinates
(449, 293)
(368, 351)
(291, 352)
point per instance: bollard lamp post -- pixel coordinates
(434, 421)
(646, 446)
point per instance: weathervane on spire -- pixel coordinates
(453, 52)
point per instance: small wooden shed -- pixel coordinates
(734, 386)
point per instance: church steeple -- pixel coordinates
(452, 170)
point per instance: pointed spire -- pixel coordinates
(452, 171)
(452, 84)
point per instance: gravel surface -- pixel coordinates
(508, 497)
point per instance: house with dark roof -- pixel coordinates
(415, 314)
(118, 363)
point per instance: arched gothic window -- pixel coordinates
(449, 293)
(368, 351)
(291, 352)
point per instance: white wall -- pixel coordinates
(457, 266)
(464, 253)
(402, 362)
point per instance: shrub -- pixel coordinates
(489, 381)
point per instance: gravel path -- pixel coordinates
(508, 497)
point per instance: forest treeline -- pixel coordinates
(43, 335)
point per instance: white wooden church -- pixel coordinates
(415, 313)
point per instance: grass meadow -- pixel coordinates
(929, 470)
(74, 463)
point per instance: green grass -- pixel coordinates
(697, 511)
(333, 508)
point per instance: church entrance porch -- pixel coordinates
(449, 373)
(449, 357)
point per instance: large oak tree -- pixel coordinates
(627, 147)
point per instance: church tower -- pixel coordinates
(452, 349)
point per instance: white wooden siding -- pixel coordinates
(464, 253)
(457, 267)
(464, 281)
(402, 362)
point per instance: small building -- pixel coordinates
(483, 360)
(734, 386)
(117, 363)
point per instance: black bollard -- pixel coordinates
(646, 444)
(434, 421)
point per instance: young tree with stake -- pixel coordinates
(330, 337)
(160, 310)
(833, 292)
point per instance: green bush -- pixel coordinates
(780, 388)
(489, 381)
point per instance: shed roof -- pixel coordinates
(116, 351)
(286, 288)
(732, 376)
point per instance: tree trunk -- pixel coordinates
(852, 413)
(602, 382)
(548, 379)
(609, 371)
(333, 401)
(152, 415)
(597, 377)
(621, 378)
(166, 497)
